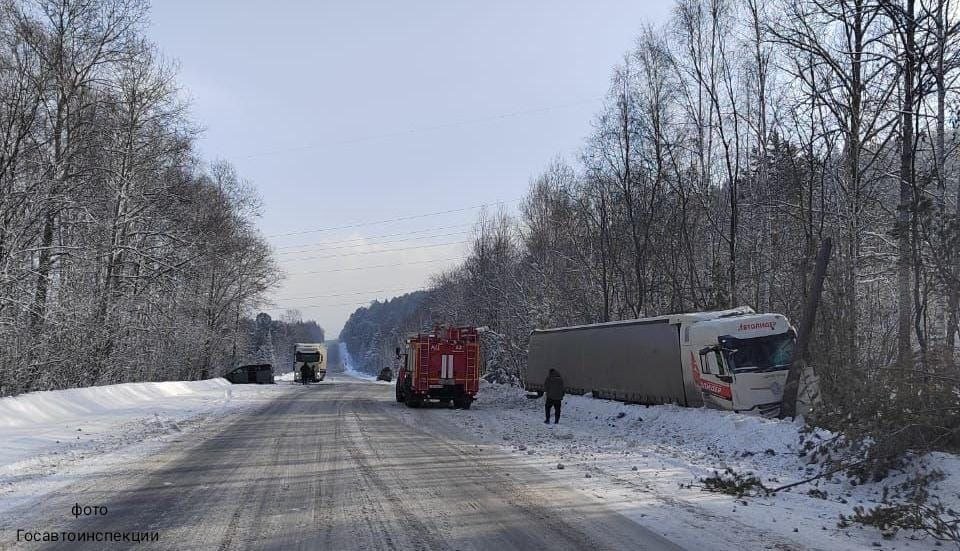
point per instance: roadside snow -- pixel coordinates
(350, 370)
(648, 463)
(51, 437)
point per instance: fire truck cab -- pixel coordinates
(442, 366)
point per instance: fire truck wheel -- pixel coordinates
(413, 402)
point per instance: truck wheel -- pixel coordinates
(399, 395)
(465, 404)
(412, 402)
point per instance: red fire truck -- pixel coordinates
(443, 365)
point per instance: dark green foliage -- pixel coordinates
(910, 507)
(733, 483)
(919, 412)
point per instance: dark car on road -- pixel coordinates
(259, 374)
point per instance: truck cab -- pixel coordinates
(738, 359)
(442, 366)
(309, 358)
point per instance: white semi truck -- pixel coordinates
(313, 357)
(731, 359)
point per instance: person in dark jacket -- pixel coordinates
(554, 389)
(305, 374)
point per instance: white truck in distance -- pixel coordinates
(313, 357)
(731, 359)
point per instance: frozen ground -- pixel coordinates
(52, 438)
(329, 467)
(647, 462)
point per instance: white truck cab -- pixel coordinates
(313, 356)
(737, 358)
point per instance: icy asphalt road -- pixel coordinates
(332, 467)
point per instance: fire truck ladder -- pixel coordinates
(471, 361)
(423, 361)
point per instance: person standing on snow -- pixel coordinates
(305, 373)
(553, 386)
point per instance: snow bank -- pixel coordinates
(648, 463)
(69, 405)
(49, 435)
(349, 368)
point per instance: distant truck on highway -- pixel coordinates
(314, 357)
(731, 359)
(442, 366)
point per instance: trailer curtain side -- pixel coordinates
(634, 362)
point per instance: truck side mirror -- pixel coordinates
(705, 350)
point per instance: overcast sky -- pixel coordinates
(350, 113)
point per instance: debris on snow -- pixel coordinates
(673, 453)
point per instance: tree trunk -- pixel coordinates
(38, 314)
(800, 351)
(904, 208)
(953, 302)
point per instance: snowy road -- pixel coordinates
(332, 467)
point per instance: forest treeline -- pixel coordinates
(373, 332)
(733, 141)
(271, 341)
(123, 255)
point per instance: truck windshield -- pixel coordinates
(759, 354)
(308, 356)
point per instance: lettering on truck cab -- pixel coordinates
(753, 326)
(710, 387)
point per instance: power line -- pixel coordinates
(325, 304)
(350, 293)
(380, 266)
(364, 303)
(361, 243)
(388, 220)
(431, 246)
(442, 126)
(398, 292)
(282, 250)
